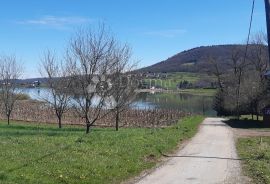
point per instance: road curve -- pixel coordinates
(210, 157)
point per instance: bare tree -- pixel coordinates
(256, 82)
(244, 87)
(238, 64)
(216, 68)
(10, 72)
(90, 61)
(124, 83)
(229, 98)
(258, 56)
(58, 83)
(252, 96)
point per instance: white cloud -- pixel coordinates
(58, 22)
(167, 33)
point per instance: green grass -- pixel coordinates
(249, 117)
(257, 158)
(34, 153)
(200, 92)
(175, 78)
(186, 76)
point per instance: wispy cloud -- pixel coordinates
(167, 33)
(56, 22)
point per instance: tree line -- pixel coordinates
(242, 86)
(92, 74)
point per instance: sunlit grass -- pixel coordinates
(201, 92)
(256, 155)
(249, 117)
(33, 153)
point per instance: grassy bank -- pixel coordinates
(249, 117)
(257, 158)
(200, 92)
(44, 154)
(197, 91)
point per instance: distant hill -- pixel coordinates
(194, 60)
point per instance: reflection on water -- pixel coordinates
(184, 102)
(37, 93)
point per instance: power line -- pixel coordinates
(249, 30)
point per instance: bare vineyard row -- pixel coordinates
(41, 113)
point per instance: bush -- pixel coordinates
(23, 97)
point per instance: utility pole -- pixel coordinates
(266, 115)
(267, 12)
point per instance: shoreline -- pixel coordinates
(199, 92)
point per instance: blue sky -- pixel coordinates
(156, 29)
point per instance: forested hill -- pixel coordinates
(195, 60)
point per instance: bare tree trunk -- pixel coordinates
(10, 71)
(8, 116)
(59, 121)
(88, 128)
(117, 120)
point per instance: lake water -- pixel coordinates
(183, 102)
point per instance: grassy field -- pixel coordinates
(34, 153)
(256, 155)
(175, 78)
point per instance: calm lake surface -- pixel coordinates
(184, 102)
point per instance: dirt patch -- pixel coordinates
(150, 158)
(251, 133)
(39, 112)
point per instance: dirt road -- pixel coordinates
(210, 157)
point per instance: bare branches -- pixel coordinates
(244, 87)
(259, 55)
(124, 84)
(58, 82)
(10, 72)
(98, 64)
(216, 69)
(91, 60)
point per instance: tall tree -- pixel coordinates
(10, 72)
(59, 83)
(91, 61)
(237, 65)
(216, 68)
(124, 83)
(243, 89)
(257, 83)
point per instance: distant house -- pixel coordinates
(35, 83)
(156, 75)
